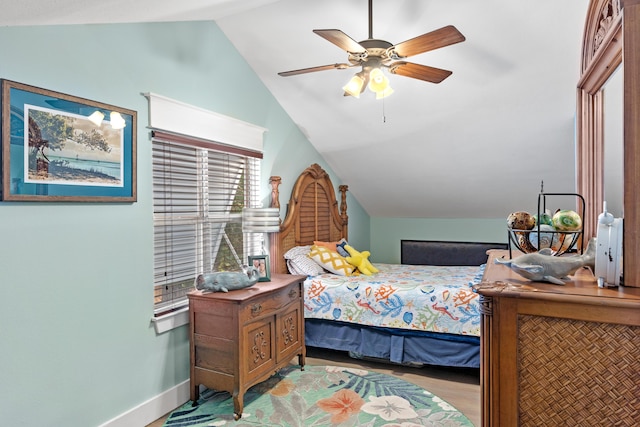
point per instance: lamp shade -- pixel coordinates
(378, 82)
(260, 220)
(354, 87)
(384, 93)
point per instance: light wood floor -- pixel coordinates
(459, 387)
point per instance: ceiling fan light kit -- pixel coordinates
(354, 86)
(378, 82)
(375, 55)
(384, 93)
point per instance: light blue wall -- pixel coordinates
(77, 344)
(387, 233)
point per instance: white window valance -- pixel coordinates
(178, 117)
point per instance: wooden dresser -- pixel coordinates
(558, 355)
(242, 337)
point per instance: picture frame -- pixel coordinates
(261, 262)
(58, 147)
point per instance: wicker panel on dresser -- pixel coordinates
(572, 371)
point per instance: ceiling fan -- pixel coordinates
(373, 55)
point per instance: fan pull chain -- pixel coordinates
(384, 116)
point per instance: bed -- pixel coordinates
(421, 311)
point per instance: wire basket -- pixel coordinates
(559, 242)
(528, 241)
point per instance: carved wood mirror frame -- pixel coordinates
(611, 38)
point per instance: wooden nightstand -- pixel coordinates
(242, 337)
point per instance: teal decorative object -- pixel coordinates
(226, 281)
(545, 219)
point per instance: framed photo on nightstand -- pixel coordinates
(261, 262)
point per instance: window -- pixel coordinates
(199, 191)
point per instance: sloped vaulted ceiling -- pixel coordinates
(476, 145)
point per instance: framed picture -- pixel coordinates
(58, 147)
(261, 262)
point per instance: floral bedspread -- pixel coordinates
(414, 297)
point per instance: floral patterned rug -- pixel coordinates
(323, 396)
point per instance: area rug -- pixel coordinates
(323, 396)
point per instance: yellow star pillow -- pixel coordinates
(330, 260)
(360, 260)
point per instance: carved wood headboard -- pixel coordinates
(312, 214)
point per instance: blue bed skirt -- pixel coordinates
(395, 345)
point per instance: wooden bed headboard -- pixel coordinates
(312, 214)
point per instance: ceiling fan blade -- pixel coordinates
(341, 40)
(442, 37)
(421, 72)
(314, 69)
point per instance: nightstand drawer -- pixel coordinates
(268, 304)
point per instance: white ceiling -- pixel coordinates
(476, 145)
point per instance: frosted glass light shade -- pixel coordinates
(383, 94)
(378, 82)
(354, 87)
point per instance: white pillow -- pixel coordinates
(304, 266)
(298, 262)
(297, 251)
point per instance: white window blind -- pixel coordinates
(199, 191)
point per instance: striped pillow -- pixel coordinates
(298, 262)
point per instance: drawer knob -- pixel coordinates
(293, 293)
(256, 309)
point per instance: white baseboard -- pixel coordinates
(154, 408)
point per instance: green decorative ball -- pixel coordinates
(566, 220)
(545, 219)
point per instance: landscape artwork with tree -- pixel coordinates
(58, 147)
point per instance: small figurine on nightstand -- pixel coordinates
(225, 281)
